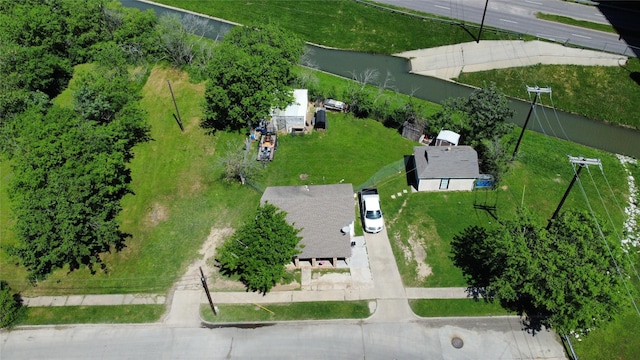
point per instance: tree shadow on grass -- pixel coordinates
(635, 76)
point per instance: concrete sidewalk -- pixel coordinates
(242, 297)
(93, 300)
(447, 62)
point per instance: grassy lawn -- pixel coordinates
(456, 307)
(345, 152)
(342, 24)
(538, 179)
(123, 314)
(321, 310)
(575, 22)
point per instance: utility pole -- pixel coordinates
(206, 290)
(482, 23)
(178, 119)
(536, 90)
(581, 162)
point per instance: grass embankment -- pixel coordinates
(123, 314)
(599, 93)
(343, 24)
(596, 92)
(575, 22)
(321, 310)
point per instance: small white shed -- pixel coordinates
(447, 138)
(294, 117)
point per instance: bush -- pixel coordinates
(11, 309)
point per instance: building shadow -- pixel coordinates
(410, 171)
(623, 16)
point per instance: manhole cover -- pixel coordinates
(457, 343)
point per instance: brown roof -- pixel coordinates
(321, 211)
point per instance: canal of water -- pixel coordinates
(597, 134)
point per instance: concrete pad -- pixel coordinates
(449, 61)
(114, 299)
(74, 300)
(437, 293)
(393, 310)
(58, 301)
(185, 308)
(38, 301)
(305, 279)
(352, 295)
(251, 297)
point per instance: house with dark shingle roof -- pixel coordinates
(445, 168)
(326, 215)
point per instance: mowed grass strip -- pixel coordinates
(575, 22)
(57, 315)
(319, 310)
(456, 307)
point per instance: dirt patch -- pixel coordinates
(158, 214)
(419, 254)
(191, 277)
(415, 252)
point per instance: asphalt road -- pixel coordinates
(483, 338)
(519, 16)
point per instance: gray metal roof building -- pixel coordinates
(321, 211)
(454, 162)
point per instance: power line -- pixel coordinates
(603, 238)
(611, 220)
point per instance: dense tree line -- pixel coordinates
(70, 163)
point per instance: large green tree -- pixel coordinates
(258, 251)
(563, 277)
(483, 115)
(70, 174)
(481, 119)
(250, 74)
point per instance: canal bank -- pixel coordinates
(596, 134)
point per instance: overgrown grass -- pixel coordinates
(456, 307)
(320, 310)
(575, 22)
(603, 93)
(342, 24)
(178, 199)
(55, 315)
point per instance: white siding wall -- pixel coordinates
(454, 185)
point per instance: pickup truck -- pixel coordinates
(370, 211)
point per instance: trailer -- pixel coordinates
(267, 147)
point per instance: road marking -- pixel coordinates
(509, 21)
(581, 36)
(442, 7)
(532, 2)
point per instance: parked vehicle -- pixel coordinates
(371, 214)
(335, 105)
